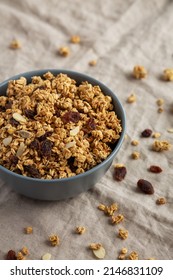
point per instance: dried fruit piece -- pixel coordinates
(139, 72)
(161, 200)
(123, 233)
(35, 144)
(20, 150)
(30, 114)
(46, 148)
(100, 253)
(146, 133)
(54, 240)
(46, 256)
(32, 171)
(11, 255)
(145, 186)
(7, 141)
(70, 116)
(160, 146)
(80, 230)
(168, 74)
(44, 136)
(119, 173)
(28, 230)
(155, 169)
(13, 122)
(19, 118)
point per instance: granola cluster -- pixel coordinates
(53, 128)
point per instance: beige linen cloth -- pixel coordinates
(118, 34)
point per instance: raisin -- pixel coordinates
(155, 169)
(57, 110)
(18, 171)
(46, 148)
(70, 162)
(71, 117)
(2, 109)
(145, 186)
(11, 255)
(13, 159)
(13, 122)
(119, 173)
(30, 114)
(91, 124)
(32, 171)
(44, 136)
(8, 104)
(146, 133)
(35, 145)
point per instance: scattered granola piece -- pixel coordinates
(135, 143)
(156, 135)
(139, 72)
(118, 165)
(133, 256)
(25, 251)
(20, 256)
(168, 74)
(155, 169)
(161, 200)
(135, 155)
(102, 207)
(160, 110)
(151, 259)
(146, 133)
(160, 102)
(123, 233)
(121, 256)
(15, 44)
(100, 253)
(75, 39)
(124, 250)
(109, 210)
(11, 255)
(160, 146)
(117, 219)
(28, 230)
(170, 130)
(145, 186)
(131, 98)
(54, 240)
(46, 256)
(95, 246)
(119, 173)
(80, 230)
(93, 62)
(64, 51)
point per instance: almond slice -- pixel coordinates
(74, 131)
(70, 144)
(25, 133)
(21, 149)
(170, 130)
(46, 256)
(99, 253)
(7, 141)
(19, 118)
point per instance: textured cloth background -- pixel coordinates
(119, 35)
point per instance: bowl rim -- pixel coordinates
(86, 78)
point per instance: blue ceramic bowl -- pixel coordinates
(58, 189)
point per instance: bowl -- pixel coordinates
(59, 189)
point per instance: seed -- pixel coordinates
(146, 133)
(145, 186)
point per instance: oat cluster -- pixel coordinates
(53, 128)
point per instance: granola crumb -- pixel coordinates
(54, 240)
(160, 102)
(160, 146)
(80, 230)
(123, 233)
(161, 201)
(102, 207)
(93, 62)
(15, 44)
(64, 51)
(121, 256)
(119, 165)
(160, 110)
(135, 143)
(133, 256)
(168, 74)
(28, 230)
(95, 246)
(117, 219)
(75, 39)
(124, 250)
(135, 155)
(25, 251)
(156, 135)
(139, 72)
(20, 256)
(131, 98)
(109, 210)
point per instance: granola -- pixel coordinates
(139, 72)
(53, 128)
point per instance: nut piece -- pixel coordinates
(160, 146)
(93, 62)
(28, 230)
(75, 39)
(24, 133)
(145, 186)
(54, 240)
(161, 200)
(156, 135)
(7, 141)
(117, 219)
(19, 118)
(160, 102)
(119, 173)
(131, 98)
(46, 256)
(64, 51)
(123, 233)
(139, 72)
(15, 44)
(135, 143)
(74, 131)
(168, 74)
(95, 246)
(135, 155)
(80, 230)
(25, 251)
(133, 256)
(20, 150)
